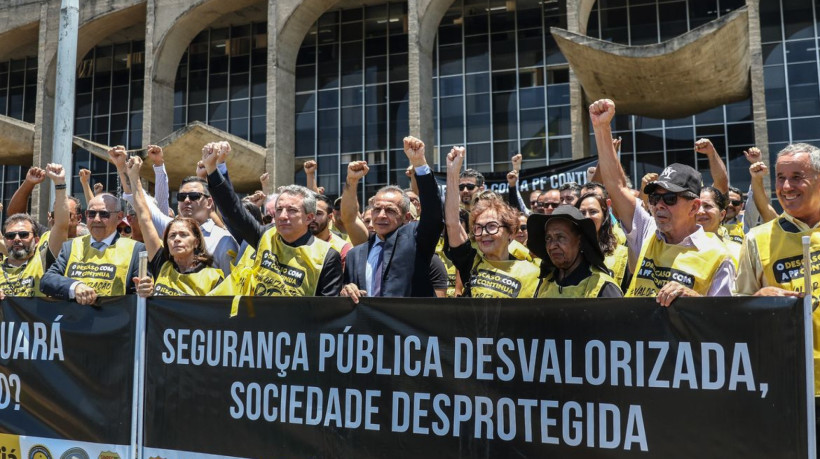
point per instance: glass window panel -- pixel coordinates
(451, 120)
(327, 72)
(240, 108)
(375, 70)
(773, 53)
(776, 105)
(328, 99)
(505, 116)
(643, 23)
(240, 85)
(477, 54)
(701, 12)
(305, 134)
(560, 149)
(804, 99)
(375, 127)
(197, 87)
(534, 148)
(399, 123)
(477, 82)
(559, 120)
(328, 131)
(449, 34)
(352, 31)
(797, 19)
(531, 98)
(801, 50)
(376, 94)
(119, 99)
(306, 56)
(351, 96)
(217, 111)
(614, 25)
(672, 19)
(352, 63)
(351, 129)
(259, 82)
(399, 92)
(449, 60)
(531, 77)
(740, 134)
(197, 113)
(532, 123)
(504, 81)
(778, 131)
(530, 51)
(770, 24)
(502, 50)
(451, 86)
(805, 129)
(375, 47)
(476, 25)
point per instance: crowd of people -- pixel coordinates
(672, 237)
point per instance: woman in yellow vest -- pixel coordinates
(488, 271)
(572, 263)
(180, 261)
(710, 216)
(616, 256)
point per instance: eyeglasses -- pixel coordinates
(193, 196)
(92, 214)
(670, 199)
(490, 228)
(735, 202)
(522, 228)
(11, 235)
(552, 205)
(125, 229)
(467, 186)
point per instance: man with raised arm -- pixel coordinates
(27, 259)
(289, 260)
(395, 261)
(670, 254)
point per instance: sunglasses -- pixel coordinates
(125, 229)
(193, 196)
(735, 202)
(670, 199)
(522, 228)
(551, 205)
(467, 186)
(11, 235)
(92, 214)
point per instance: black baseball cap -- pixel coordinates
(677, 178)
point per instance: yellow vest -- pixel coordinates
(731, 243)
(618, 230)
(588, 288)
(617, 263)
(338, 244)
(521, 252)
(660, 263)
(277, 269)
(781, 255)
(503, 279)
(106, 272)
(23, 281)
(170, 282)
(735, 231)
(451, 268)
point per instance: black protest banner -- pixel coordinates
(66, 370)
(320, 377)
(538, 178)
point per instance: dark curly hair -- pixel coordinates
(606, 237)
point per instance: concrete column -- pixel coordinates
(281, 109)
(44, 113)
(158, 94)
(758, 85)
(420, 73)
(578, 114)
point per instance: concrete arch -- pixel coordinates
(431, 12)
(294, 20)
(181, 29)
(22, 41)
(94, 30)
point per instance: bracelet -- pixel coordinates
(59, 187)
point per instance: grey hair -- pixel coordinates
(795, 148)
(404, 204)
(308, 196)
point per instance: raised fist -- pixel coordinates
(222, 150)
(35, 175)
(118, 156)
(705, 147)
(758, 170)
(85, 175)
(98, 188)
(512, 178)
(516, 162)
(156, 155)
(56, 173)
(201, 172)
(310, 167)
(356, 170)
(456, 158)
(414, 149)
(753, 155)
(601, 112)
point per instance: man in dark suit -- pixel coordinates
(98, 264)
(395, 261)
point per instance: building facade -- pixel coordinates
(338, 81)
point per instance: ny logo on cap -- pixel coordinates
(668, 173)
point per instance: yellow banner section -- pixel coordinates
(10, 444)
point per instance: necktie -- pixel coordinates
(98, 245)
(378, 270)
